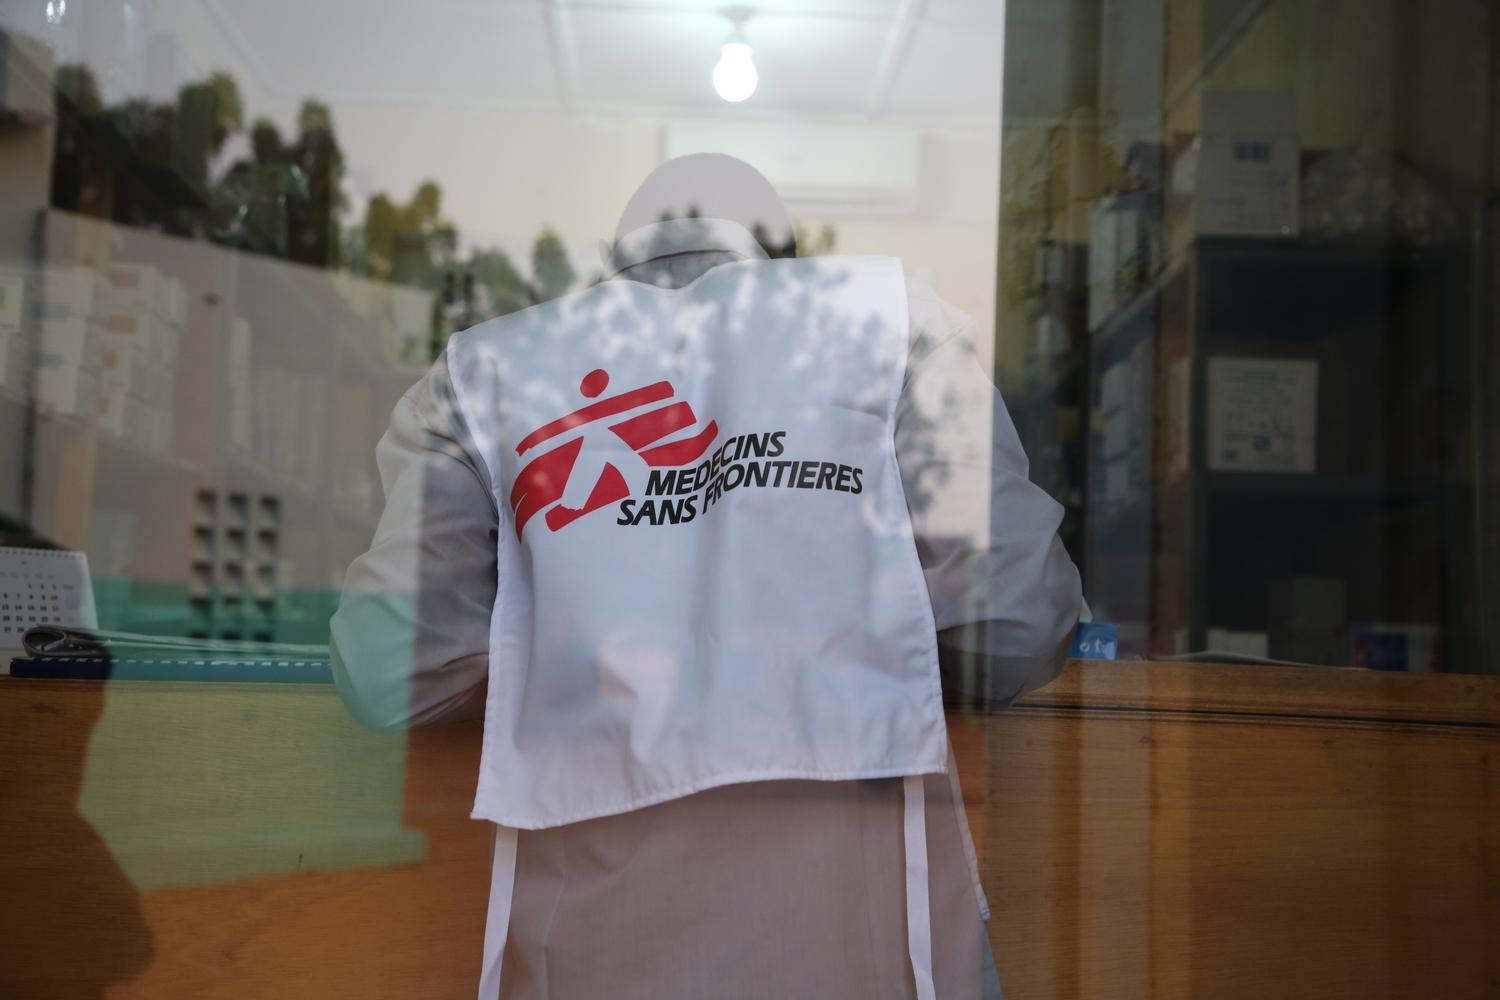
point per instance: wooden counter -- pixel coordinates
(1145, 830)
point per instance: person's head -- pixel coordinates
(711, 186)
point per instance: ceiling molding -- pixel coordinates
(564, 52)
(242, 47)
(559, 17)
(893, 56)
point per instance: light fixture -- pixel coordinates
(734, 74)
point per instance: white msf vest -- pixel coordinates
(707, 572)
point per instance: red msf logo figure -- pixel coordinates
(543, 480)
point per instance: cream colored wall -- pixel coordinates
(950, 238)
(507, 175)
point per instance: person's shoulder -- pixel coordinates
(431, 402)
(540, 319)
(934, 322)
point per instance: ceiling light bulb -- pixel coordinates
(734, 74)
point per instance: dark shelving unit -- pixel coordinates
(1383, 513)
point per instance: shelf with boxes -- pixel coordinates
(1293, 406)
(1133, 423)
(1049, 411)
(279, 378)
(105, 347)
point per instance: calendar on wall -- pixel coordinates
(43, 587)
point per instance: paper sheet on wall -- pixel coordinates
(1262, 415)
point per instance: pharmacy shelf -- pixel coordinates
(1119, 331)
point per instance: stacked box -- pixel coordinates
(13, 365)
(69, 345)
(1241, 174)
(125, 374)
(12, 337)
(1104, 226)
(1397, 646)
(1122, 421)
(144, 311)
(71, 292)
(12, 295)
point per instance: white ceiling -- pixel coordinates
(933, 61)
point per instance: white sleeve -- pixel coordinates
(410, 639)
(1001, 583)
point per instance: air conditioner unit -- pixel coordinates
(853, 167)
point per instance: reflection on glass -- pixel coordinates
(1227, 261)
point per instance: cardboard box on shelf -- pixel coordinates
(1252, 644)
(1262, 415)
(120, 412)
(69, 343)
(1103, 243)
(12, 297)
(66, 390)
(1113, 387)
(165, 427)
(155, 431)
(67, 292)
(144, 437)
(1138, 393)
(1241, 175)
(146, 291)
(175, 304)
(168, 343)
(1397, 646)
(1117, 487)
(125, 367)
(1124, 247)
(1308, 622)
(1116, 433)
(14, 352)
(152, 335)
(1124, 401)
(160, 388)
(1174, 420)
(1130, 261)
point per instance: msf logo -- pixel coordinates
(543, 481)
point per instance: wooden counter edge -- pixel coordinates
(1330, 693)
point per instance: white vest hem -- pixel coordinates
(484, 811)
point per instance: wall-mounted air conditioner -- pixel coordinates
(864, 169)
